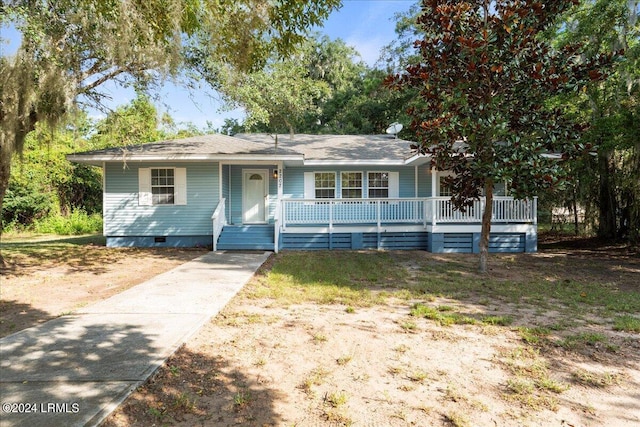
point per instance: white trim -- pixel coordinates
(280, 183)
(415, 181)
(238, 159)
(477, 228)
(313, 182)
(231, 158)
(104, 198)
(354, 163)
(356, 229)
(265, 207)
(219, 181)
(180, 186)
(434, 181)
(144, 187)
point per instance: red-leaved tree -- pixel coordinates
(486, 77)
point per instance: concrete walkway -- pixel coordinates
(75, 370)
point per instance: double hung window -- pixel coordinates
(378, 185)
(163, 186)
(325, 185)
(351, 185)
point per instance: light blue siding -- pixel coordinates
(124, 217)
(424, 181)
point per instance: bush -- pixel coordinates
(78, 222)
(24, 203)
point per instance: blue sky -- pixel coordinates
(367, 25)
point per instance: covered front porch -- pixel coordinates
(428, 223)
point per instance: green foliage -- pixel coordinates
(323, 89)
(78, 222)
(278, 97)
(607, 186)
(44, 183)
(70, 48)
(485, 76)
(134, 123)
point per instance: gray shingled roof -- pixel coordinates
(339, 147)
(311, 147)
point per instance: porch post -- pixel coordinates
(279, 207)
(434, 182)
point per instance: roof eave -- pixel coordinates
(360, 162)
(99, 159)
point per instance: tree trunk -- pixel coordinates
(607, 225)
(5, 174)
(574, 206)
(634, 203)
(486, 225)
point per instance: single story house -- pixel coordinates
(259, 191)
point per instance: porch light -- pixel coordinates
(275, 174)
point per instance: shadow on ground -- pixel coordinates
(76, 254)
(193, 388)
(86, 366)
(16, 316)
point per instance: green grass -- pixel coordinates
(626, 323)
(442, 315)
(355, 279)
(367, 278)
(535, 335)
(577, 341)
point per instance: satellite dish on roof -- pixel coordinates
(394, 128)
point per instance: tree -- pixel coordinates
(135, 123)
(612, 108)
(293, 94)
(278, 97)
(485, 77)
(70, 48)
(44, 183)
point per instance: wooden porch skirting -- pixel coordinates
(512, 242)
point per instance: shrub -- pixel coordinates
(78, 222)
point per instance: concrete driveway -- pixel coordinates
(76, 369)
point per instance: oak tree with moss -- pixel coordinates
(69, 49)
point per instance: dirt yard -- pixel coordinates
(44, 278)
(476, 359)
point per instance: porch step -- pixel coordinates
(243, 237)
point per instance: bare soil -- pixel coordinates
(259, 363)
(39, 284)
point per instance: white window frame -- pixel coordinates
(442, 175)
(343, 188)
(155, 199)
(334, 188)
(145, 187)
(373, 188)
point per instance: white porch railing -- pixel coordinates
(425, 211)
(219, 219)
